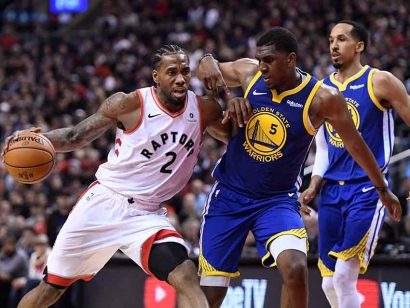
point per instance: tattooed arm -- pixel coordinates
(118, 107)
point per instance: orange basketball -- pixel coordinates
(30, 158)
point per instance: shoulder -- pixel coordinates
(381, 78)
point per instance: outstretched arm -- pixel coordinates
(114, 108)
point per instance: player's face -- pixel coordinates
(343, 45)
(173, 77)
(273, 65)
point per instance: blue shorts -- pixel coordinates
(228, 217)
(350, 219)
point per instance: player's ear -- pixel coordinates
(291, 59)
(359, 47)
(155, 76)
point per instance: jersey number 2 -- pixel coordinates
(169, 163)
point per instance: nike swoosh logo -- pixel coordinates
(367, 189)
(153, 115)
(291, 194)
(258, 93)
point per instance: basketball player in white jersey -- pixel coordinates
(159, 134)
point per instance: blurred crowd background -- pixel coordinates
(55, 70)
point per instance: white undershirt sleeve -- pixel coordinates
(321, 159)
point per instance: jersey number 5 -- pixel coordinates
(173, 156)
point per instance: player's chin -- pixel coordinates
(337, 64)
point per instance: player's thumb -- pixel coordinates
(35, 129)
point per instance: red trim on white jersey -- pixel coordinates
(66, 282)
(160, 106)
(129, 131)
(198, 98)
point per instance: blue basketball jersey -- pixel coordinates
(266, 156)
(374, 123)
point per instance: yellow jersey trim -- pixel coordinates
(277, 98)
(343, 86)
(371, 91)
(358, 250)
(300, 233)
(306, 121)
(209, 270)
(254, 79)
(324, 270)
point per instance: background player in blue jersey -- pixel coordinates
(258, 177)
(350, 210)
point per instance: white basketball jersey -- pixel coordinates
(154, 160)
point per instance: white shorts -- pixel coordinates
(102, 222)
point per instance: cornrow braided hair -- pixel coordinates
(164, 51)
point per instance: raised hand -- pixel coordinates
(212, 76)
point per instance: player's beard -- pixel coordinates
(337, 65)
(172, 100)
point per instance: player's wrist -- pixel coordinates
(204, 56)
(382, 189)
(208, 55)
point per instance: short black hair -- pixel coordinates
(358, 31)
(282, 38)
(163, 51)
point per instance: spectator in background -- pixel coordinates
(58, 216)
(198, 189)
(190, 231)
(37, 263)
(13, 265)
(27, 240)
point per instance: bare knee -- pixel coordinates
(184, 276)
(292, 265)
(214, 295)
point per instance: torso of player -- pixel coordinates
(374, 123)
(154, 160)
(266, 156)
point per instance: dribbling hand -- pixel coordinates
(15, 136)
(239, 110)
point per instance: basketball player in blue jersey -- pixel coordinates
(351, 212)
(258, 177)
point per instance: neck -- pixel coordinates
(164, 102)
(345, 73)
(294, 80)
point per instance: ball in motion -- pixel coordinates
(30, 159)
